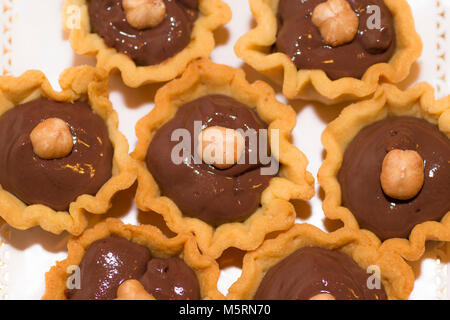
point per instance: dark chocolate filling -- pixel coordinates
(170, 279)
(109, 262)
(149, 46)
(200, 190)
(311, 271)
(58, 182)
(301, 40)
(359, 176)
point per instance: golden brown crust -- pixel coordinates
(388, 100)
(254, 49)
(76, 83)
(276, 213)
(213, 14)
(160, 246)
(397, 276)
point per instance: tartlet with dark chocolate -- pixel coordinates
(125, 262)
(305, 263)
(146, 40)
(61, 154)
(397, 146)
(214, 159)
(331, 50)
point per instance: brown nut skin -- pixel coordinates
(143, 14)
(52, 139)
(402, 174)
(323, 296)
(221, 147)
(133, 290)
(337, 22)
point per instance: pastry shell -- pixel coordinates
(213, 14)
(418, 102)
(397, 276)
(255, 49)
(160, 246)
(276, 213)
(76, 83)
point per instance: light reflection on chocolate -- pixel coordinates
(300, 39)
(57, 182)
(149, 46)
(362, 163)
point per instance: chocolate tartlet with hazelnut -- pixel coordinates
(397, 146)
(61, 155)
(305, 263)
(214, 159)
(125, 262)
(147, 40)
(331, 50)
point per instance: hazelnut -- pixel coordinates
(133, 290)
(221, 147)
(323, 296)
(402, 174)
(52, 139)
(142, 14)
(337, 22)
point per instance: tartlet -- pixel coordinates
(181, 247)
(205, 79)
(413, 107)
(396, 276)
(86, 89)
(212, 15)
(255, 48)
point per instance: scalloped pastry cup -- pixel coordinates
(213, 14)
(76, 83)
(183, 246)
(417, 102)
(397, 276)
(276, 212)
(255, 49)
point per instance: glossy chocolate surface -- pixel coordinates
(170, 279)
(301, 40)
(106, 264)
(56, 182)
(359, 176)
(200, 190)
(148, 46)
(311, 271)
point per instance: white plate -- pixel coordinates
(32, 38)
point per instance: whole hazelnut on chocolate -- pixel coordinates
(402, 174)
(133, 290)
(220, 147)
(143, 14)
(323, 296)
(337, 22)
(52, 139)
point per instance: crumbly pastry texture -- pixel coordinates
(396, 275)
(255, 49)
(419, 102)
(276, 212)
(213, 14)
(76, 83)
(160, 246)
